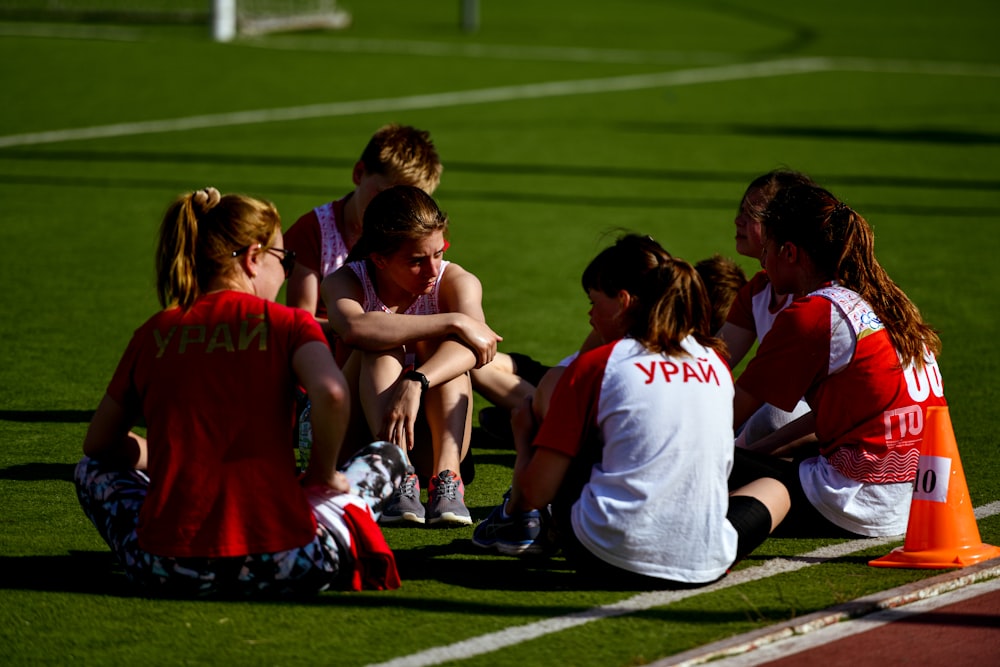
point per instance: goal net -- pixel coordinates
(257, 17)
(228, 19)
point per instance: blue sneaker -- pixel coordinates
(516, 535)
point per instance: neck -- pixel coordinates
(394, 298)
(352, 221)
(238, 283)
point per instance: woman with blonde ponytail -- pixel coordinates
(209, 500)
(634, 451)
(855, 346)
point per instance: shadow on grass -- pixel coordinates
(97, 573)
(92, 572)
(37, 472)
(47, 416)
(508, 196)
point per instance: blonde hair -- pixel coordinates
(405, 155)
(198, 237)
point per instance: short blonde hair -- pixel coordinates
(405, 155)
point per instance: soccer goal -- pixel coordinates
(228, 19)
(232, 18)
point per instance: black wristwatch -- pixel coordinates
(419, 377)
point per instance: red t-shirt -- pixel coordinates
(215, 386)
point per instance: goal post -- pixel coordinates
(234, 18)
(228, 19)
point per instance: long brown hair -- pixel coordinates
(841, 244)
(198, 236)
(671, 300)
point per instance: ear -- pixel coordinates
(250, 262)
(792, 252)
(378, 260)
(358, 173)
(625, 300)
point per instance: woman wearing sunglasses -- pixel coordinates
(209, 500)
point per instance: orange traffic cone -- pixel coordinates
(941, 531)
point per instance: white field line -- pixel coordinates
(510, 636)
(430, 101)
(71, 31)
(684, 77)
(599, 56)
(492, 51)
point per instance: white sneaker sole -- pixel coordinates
(451, 517)
(412, 517)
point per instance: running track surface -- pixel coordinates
(951, 620)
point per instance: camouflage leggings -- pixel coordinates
(112, 497)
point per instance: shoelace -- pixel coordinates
(408, 487)
(447, 487)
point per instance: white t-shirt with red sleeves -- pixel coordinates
(751, 310)
(656, 503)
(830, 347)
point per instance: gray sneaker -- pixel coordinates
(446, 500)
(405, 503)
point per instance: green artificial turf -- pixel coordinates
(903, 123)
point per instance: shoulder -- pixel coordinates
(595, 361)
(758, 283)
(308, 219)
(456, 278)
(349, 276)
(307, 225)
(803, 315)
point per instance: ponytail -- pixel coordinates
(671, 302)
(841, 244)
(198, 235)
(858, 270)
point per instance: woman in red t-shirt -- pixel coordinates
(209, 500)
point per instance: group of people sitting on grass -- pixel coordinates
(637, 457)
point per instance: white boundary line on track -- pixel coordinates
(843, 629)
(494, 641)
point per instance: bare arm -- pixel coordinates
(330, 411)
(744, 405)
(109, 437)
(538, 472)
(442, 359)
(302, 289)
(374, 331)
(789, 438)
(738, 342)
